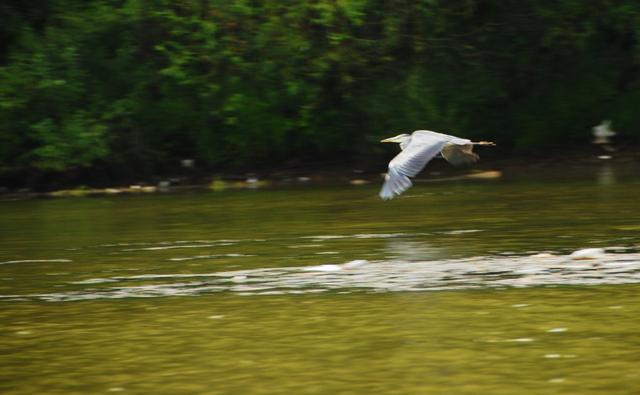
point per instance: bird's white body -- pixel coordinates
(603, 133)
(418, 149)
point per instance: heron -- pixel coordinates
(418, 148)
(603, 133)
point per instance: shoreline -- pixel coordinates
(576, 165)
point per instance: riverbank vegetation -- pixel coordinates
(120, 88)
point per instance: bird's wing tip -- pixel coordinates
(395, 183)
(385, 194)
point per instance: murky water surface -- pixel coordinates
(455, 288)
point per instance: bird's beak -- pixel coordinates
(389, 140)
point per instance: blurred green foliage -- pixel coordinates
(139, 84)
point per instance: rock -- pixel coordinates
(336, 268)
(485, 175)
(78, 192)
(253, 183)
(587, 253)
(354, 264)
(187, 163)
(358, 182)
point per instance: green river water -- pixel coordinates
(460, 287)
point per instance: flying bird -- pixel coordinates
(418, 148)
(603, 133)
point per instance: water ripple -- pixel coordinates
(364, 236)
(212, 256)
(172, 247)
(362, 275)
(36, 261)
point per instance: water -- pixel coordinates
(460, 287)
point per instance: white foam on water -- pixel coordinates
(323, 268)
(495, 272)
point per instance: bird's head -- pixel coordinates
(396, 139)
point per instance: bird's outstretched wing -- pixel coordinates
(415, 156)
(420, 134)
(459, 155)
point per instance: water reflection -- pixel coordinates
(411, 250)
(606, 175)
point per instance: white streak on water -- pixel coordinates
(496, 272)
(35, 261)
(323, 268)
(189, 258)
(163, 243)
(171, 247)
(460, 232)
(363, 236)
(521, 340)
